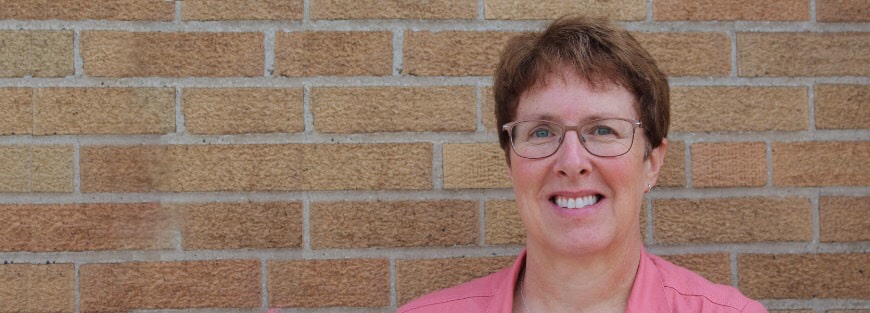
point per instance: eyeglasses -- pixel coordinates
(608, 137)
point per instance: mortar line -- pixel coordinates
(732, 37)
(650, 230)
(394, 297)
(811, 98)
(178, 11)
(306, 223)
(398, 58)
(649, 10)
(478, 103)
(481, 213)
(687, 162)
(269, 52)
(481, 10)
(437, 166)
(307, 116)
(816, 214)
(732, 262)
(179, 113)
(78, 62)
(76, 166)
(768, 155)
(813, 11)
(264, 284)
(76, 289)
(306, 12)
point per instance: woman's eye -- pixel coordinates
(602, 131)
(541, 133)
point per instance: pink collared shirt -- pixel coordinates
(659, 287)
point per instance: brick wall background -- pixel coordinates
(340, 155)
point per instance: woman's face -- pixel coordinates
(615, 184)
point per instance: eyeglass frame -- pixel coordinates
(508, 127)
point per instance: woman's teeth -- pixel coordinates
(575, 203)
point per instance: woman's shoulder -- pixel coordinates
(472, 296)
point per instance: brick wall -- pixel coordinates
(341, 155)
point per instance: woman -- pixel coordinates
(584, 114)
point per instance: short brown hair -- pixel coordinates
(599, 53)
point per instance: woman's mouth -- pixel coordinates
(575, 203)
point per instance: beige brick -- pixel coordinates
(842, 106)
(415, 278)
(731, 220)
(844, 218)
(369, 166)
(115, 287)
(86, 227)
(237, 167)
(15, 170)
(821, 163)
(453, 53)
(475, 165)
(119, 10)
(503, 223)
(804, 276)
(673, 171)
(711, 109)
(353, 53)
(36, 53)
(103, 111)
(324, 283)
(17, 108)
(242, 225)
(711, 10)
(395, 9)
(842, 11)
(37, 288)
(36, 168)
(715, 267)
(217, 10)
(689, 54)
(394, 109)
(242, 110)
(803, 54)
(134, 54)
(627, 10)
(123, 168)
(393, 224)
(729, 164)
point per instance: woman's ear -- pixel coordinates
(655, 160)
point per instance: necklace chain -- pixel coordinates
(522, 294)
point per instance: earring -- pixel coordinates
(648, 188)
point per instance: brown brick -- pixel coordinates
(710, 109)
(393, 224)
(804, 276)
(119, 10)
(842, 11)
(86, 227)
(394, 109)
(628, 10)
(242, 110)
(844, 218)
(17, 108)
(729, 164)
(103, 111)
(714, 267)
(217, 10)
(242, 225)
(323, 283)
(709, 10)
(842, 106)
(37, 288)
(731, 220)
(689, 54)
(36, 168)
(133, 54)
(803, 54)
(821, 163)
(503, 223)
(433, 9)
(415, 278)
(673, 171)
(118, 287)
(475, 165)
(334, 53)
(36, 53)
(453, 53)
(123, 168)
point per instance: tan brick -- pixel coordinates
(842, 11)
(803, 276)
(689, 54)
(503, 223)
(123, 168)
(217, 10)
(433, 9)
(710, 10)
(673, 171)
(36, 168)
(393, 224)
(453, 53)
(86, 227)
(415, 278)
(821, 163)
(242, 225)
(710, 109)
(242, 110)
(729, 164)
(119, 10)
(133, 54)
(844, 218)
(353, 53)
(715, 267)
(628, 10)
(475, 165)
(237, 167)
(803, 54)
(488, 110)
(37, 288)
(371, 166)
(36, 53)
(103, 111)
(17, 108)
(115, 287)
(324, 283)
(15, 170)
(731, 220)
(842, 106)
(394, 109)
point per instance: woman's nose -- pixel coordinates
(572, 159)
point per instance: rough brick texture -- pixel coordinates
(714, 267)
(673, 171)
(804, 276)
(739, 164)
(242, 110)
(842, 11)
(844, 218)
(803, 54)
(629, 10)
(393, 224)
(120, 10)
(37, 288)
(731, 220)
(350, 9)
(706, 10)
(503, 223)
(328, 283)
(36, 53)
(36, 168)
(478, 165)
(821, 163)
(415, 278)
(689, 54)
(103, 111)
(17, 108)
(241, 225)
(710, 109)
(333, 54)
(842, 106)
(452, 53)
(216, 10)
